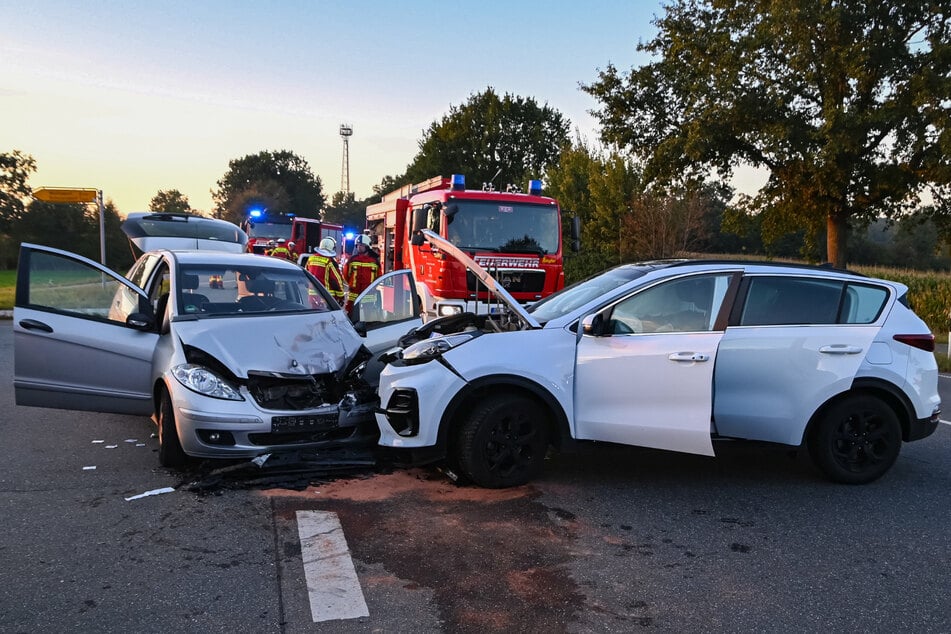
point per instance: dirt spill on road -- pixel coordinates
(496, 560)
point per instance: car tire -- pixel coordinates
(170, 451)
(857, 440)
(503, 442)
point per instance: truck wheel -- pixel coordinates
(857, 440)
(171, 453)
(502, 443)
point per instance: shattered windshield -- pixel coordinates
(503, 227)
(213, 290)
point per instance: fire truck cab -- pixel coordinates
(515, 236)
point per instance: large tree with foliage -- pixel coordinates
(279, 181)
(170, 201)
(507, 139)
(844, 102)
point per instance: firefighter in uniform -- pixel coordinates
(361, 269)
(322, 264)
(280, 251)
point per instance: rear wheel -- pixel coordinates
(857, 440)
(171, 453)
(502, 443)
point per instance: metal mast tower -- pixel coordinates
(345, 133)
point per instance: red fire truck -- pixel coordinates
(264, 228)
(513, 235)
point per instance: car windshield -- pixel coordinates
(580, 293)
(209, 290)
(269, 230)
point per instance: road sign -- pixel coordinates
(65, 195)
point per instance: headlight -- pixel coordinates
(200, 379)
(429, 349)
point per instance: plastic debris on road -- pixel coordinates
(91, 468)
(150, 493)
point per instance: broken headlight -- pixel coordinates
(200, 379)
(429, 349)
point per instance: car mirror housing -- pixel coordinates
(140, 321)
(592, 325)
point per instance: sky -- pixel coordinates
(132, 97)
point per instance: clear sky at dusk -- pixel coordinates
(136, 96)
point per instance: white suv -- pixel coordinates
(669, 355)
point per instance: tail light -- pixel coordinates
(922, 342)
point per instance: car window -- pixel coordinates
(788, 300)
(71, 287)
(688, 304)
(142, 269)
(862, 304)
(392, 299)
(210, 290)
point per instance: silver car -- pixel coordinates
(232, 354)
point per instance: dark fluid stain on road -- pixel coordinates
(423, 530)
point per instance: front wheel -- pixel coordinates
(857, 440)
(502, 443)
(171, 453)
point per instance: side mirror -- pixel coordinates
(140, 321)
(592, 325)
(418, 240)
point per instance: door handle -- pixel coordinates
(689, 356)
(32, 324)
(840, 348)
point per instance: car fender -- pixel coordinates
(474, 390)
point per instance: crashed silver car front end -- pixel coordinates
(244, 386)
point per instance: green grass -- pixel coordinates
(8, 282)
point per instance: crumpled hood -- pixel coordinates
(300, 344)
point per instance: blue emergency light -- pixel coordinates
(535, 187)
(349, 235)
(458, 182)
(255, 213)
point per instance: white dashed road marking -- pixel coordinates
(332, 583)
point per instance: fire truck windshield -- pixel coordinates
(503, 227)
(269, 230)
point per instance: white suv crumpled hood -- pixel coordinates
(300, 344)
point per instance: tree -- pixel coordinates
(170, 201)
(345, 210)
(846, 103)
(279, 181)
(15, 170)
(502, 140)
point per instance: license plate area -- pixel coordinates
(311, 422)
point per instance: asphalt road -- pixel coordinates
(611, 539)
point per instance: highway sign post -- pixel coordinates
(77, 195)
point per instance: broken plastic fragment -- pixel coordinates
(260, 460)
(98, 442)
(132, 440)
(92, 468)
(152, 492)
(140, 444)
(111, 446)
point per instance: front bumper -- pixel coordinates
(216, 428)
(413, 399)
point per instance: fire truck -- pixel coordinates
(515, 236)
(264, 228)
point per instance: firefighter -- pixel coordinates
(280, 251)
(362, 268)
(322, 264)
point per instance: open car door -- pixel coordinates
(83, 335)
